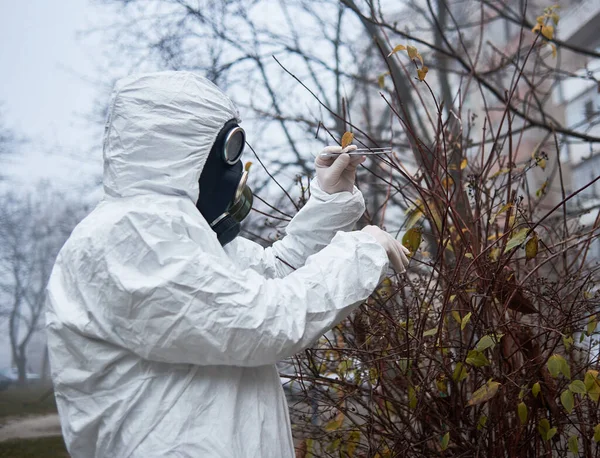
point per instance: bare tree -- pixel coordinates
(32, 230)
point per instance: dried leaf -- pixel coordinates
(412, 52)
(531, 247)
(396, 49)
(412, 239)
(247, 166)
(548, 31)
(553, 47)
(485, 393)
(567, 400)
(522, 411)
(347, 139)
(422, 72)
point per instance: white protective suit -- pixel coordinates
(163, 343)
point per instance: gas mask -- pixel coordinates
(225, 200)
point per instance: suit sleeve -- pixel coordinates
(313, 227)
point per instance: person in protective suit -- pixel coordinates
(164, 327)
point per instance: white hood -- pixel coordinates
(159, 132)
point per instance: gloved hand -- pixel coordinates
(395, 250)
(337, 174)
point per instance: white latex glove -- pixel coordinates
(337, 174)
(395, 250)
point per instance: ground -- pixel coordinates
(29, 425)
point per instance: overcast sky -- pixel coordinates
(48, 85)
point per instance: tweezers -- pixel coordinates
(360, 152)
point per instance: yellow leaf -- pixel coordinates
(540, 19)
(422, 72)
(469, 255)
(592, 385)
(447, 182)
(567, 400)
(537, 28)
(548, 31)
(460, 372)
(412, 397)
(577, 386)
(557, 365)
(591, 326)
(555, 17)
(336, 423)
(485, 393)
(352, 442)
(414, 217)
(574, 445)
(477, 359)
(456, 316)
(494, 254)
(517, 239)
(535, 390)
(412, 52)
(531, 247)
(544, 429)
(412, 239)
(502, 210)
(465, 321)
(445, 440)
(347, 139)
(398, 48)
(503, 171)
(381, 79)
(481, 423)
(553, 47)
(463, 164)
(522, 410)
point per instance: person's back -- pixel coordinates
(162, 341)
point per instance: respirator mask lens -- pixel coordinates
(234, 145)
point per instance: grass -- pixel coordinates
(28, 400)
(45, 447)
(25, 401)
